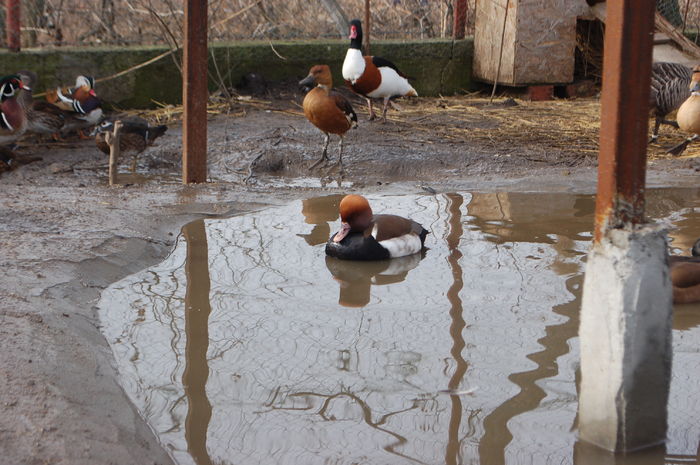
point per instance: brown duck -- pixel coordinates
(327, 109)
(685, 276)
(42, 117)
(136, 136)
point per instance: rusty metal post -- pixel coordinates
(13, 9)
(367, 27)
(624, 114)
(195, 93)
(459, 11)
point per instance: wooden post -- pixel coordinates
(366, 27)
(195, 93)
(13, 9)
(113, 139)
(626, 322)
(460, 18)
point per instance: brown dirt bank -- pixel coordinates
(65, 235)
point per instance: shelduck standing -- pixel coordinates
(365, 236)
(689, 114)
(327, 109)
(13, 118)
(373, 77)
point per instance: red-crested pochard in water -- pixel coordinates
(365, 236)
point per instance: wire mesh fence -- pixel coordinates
(683, 14)
(124, 22)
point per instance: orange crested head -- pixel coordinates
(355, 215)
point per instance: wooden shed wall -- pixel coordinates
(539, 42)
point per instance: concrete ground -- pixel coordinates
(65, 235)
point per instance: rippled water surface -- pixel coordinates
(247, 345)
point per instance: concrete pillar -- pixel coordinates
(626, 340)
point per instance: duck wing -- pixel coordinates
(385, 227)
(380, 62)
(344, 105)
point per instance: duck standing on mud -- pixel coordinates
(373, 77)
(136, 136)
(365, 236)
(326, 109)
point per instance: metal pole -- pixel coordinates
(624, 114)
(12, 24)
(460, 19)
(366, 29)
(195, 93)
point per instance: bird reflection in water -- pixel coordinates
(356, 278)
(320, 211)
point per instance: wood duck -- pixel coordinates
(43, 118)
(81, 100)
(326, 109)
(13, 120)
(135, 137)
(365, 236)
(373, 77)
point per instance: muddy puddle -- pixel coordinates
(247, 345)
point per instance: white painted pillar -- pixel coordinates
(626, 340)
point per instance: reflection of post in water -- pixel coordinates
(197, 310)
(497, 436)
(457, 326)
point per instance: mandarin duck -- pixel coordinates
(81, 100)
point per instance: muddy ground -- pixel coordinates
(65, 235)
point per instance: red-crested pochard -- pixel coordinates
(365, 236)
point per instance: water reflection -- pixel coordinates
(355, 279)
(457, 325)
(238, 348)
(196, 373)
(319, 211)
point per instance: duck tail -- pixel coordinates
(157, 131)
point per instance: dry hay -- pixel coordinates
(560, 125)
